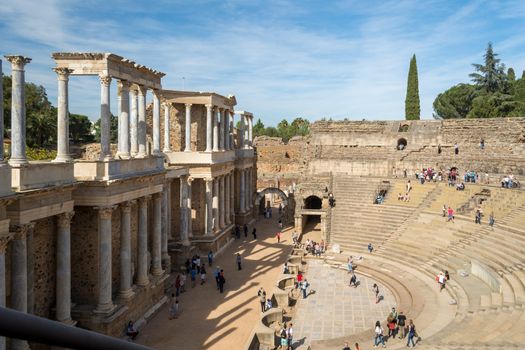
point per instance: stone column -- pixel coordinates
(209, 206)
(19, 276)
(125, 291)
(215, 130)
(4, 241)
(123, 120)
(2, 129)
(249, 189)
(63, 115)
(156, 247)
(18, 110)
(133, 122)
(221, 129)
(105, 302)
(245, 132)
(169, 227)
(216, 204)
(242, 191)
(105, 122)
(184, 211)
(142, 90)
(232, 196)
(232, 128)
(226, 129)
(227, 217)
(142, 260)
(190, 227)
(167, 146)
(209, 127)
(250, 131)
(187, 129)
(156, 123)
(241, 132)
(63, 274)
(222, 207)
(30, 246)
(164, 229)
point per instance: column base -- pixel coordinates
(18, 162)
(141, 155)
(105, 158)
(103, 309)
(68, 322)
(186, 243)
(142, 283)
(126, 294)
(62, 159)
(187, 150)
(157, 271)
(166, 150)
(156, 153)
(123, 155)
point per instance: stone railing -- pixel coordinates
(96, 170)
(41, 174)
(485, 274)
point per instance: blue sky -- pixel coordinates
(281, 59)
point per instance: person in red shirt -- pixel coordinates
(299, 279)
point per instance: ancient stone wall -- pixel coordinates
(44, 243)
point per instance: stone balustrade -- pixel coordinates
(117, 168)
(41, 174)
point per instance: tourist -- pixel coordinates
(353, 280)
(407, 197)
(222, 280)
(245, 230)
(280, 224)
(401, 320)
(193, 276)
(444, 210)
(203, 275)
(183, 282)
(391, 322)
(217, 274)
(375, 288)
(400, 197)
(347, 347)
(350, 265)
(284, 338)
(357, 347)
(278, 235)
(286, 270)
(477, 217)
(289, 333)
(239, 267)
(440, 278)
(439, 149)
(262, 298)
(198, 263)
(299, 279)
(131, 331)
(173, 307)
(177, 285)
(370, 247)
(450, 214)
(491, 220)
(405, 173)
(237, 232)
(408, 186)
(447, 276)
(456, 149)
(482, 144)
(304, 287)
(254, 233)
(411, 333)
(187, 264)
(295, 239)
(268, 304)
(210, 258)
(379, 335)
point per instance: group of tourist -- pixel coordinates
(510, 181)
(286, 335)
(315, 248)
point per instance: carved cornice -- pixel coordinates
(17, 62)
(105, 80)
(105, 211)
(64, 219)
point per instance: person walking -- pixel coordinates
(222, 280)
(357, 347)
(278, 235)
(173, 307)
(245, 229)
(353, 280)
(304, 287)
(375, 288)
(411, 333)
(286, 270)
(401, 323)
(379, 335)
(370, 247)
(203, 275)
(254, 233)
(239, 267)
(289, 333)
(450, 214)
(391, 323)
(350, 265)
(491, 220)
(262, 299)
(210, 258)
(284, 338)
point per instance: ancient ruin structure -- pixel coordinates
(92, 242)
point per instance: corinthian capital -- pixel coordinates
(20, 231)
(106, 211)
(64, 219)
(18, 62)
(105, 80)
(123, 85)
(4, 241)
(63, 72)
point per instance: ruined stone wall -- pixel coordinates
(198, 205)
(175, 208)
(44, 243)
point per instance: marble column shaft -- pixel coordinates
(187, 128)
(125, 250)
(209, 128)
(242, 191)
(232, 128)
(245, 132)
(232, 196)
(105, 117)
(226, 130)
(133, 123)
(215, 204)
(209, 206)
(63, 274)
(215, 130)
(221, 129)
(18, 110)
(241, 132)
(142, 121)
(164, 228)
(105, 302)
(249, 188)
(190, 227)
(4, 241)
(142, 261)
(250, 131)
(167, 145)
(222, 191)
(156, 269)
(123, 120)
(156, 123)
(184, 211)
(63, 115)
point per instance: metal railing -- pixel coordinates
(19, 325)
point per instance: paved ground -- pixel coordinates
(335, 309)
(210, 320)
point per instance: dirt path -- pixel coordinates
(210, 320)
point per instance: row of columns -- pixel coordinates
(158, 249)
(246, 177)
(219, 128)
(246, 130)
(219, 203)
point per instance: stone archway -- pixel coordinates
(288, 202)
(273, 190)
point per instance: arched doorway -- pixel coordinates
(313, 202)
(401, 144)
(287, 202)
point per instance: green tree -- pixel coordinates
(496, 105)
(456, 102)
(300, 126)
(511, 76)
(490, 76)
(412, 108)
(80, 129)
(113, 133)
(523, 75)
(258, 128)
(271, 131)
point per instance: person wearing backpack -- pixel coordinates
(411, 333)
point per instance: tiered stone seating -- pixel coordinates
(418, 193)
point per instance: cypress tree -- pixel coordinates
(412, 109)
(511, 75)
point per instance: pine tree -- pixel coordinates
(491, 76)
(412, 109)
